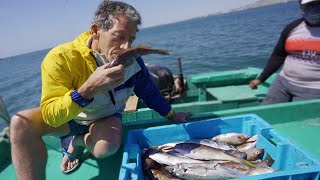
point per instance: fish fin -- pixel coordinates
(247, 163)
(164, 52)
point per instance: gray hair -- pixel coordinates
(108, 9)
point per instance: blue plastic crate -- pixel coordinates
(292, 162)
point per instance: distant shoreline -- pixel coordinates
(261, 3)
(258, 4)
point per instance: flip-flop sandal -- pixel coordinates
(65, 142)
(70, 159)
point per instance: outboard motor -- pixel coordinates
(163, 78)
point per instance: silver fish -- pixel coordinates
(261, 170)
(203, 172)
(201, 152)
(250, 143)
(168, 159)
(207, 142)
(232, 138)
(237, 167)
(268, 161)
(212, 143)
(204, 164)
(239, 154)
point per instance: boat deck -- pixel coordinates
(90, 169)
(299, 122)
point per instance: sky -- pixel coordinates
(28, 26)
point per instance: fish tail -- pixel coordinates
(160, 51)
(143, 46)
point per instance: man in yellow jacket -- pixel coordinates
(82, 99)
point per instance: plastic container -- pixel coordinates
(291, 161)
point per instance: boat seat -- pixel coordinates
(229, 76)
(233, 93)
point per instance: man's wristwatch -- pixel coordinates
(77, 98)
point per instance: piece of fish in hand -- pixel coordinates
(129, 55)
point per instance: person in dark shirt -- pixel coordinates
(298, 50)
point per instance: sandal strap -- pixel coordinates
(68, 155)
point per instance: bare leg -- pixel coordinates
(29, 154)
(103, 139)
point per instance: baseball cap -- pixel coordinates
(308, 1)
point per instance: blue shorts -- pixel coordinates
(78, 129)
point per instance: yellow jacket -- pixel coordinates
(68, 66)
(58, 82)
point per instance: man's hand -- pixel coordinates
(102, 80)
(180, 117)
(254, 83)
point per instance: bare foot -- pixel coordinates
(75, 150)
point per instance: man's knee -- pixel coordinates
(103, 149)
(27, 122)
(19, 127)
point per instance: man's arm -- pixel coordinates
(56, 104)
(150, 93)
(59, 83)
(279, 53)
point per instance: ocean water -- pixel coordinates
(214, 43)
